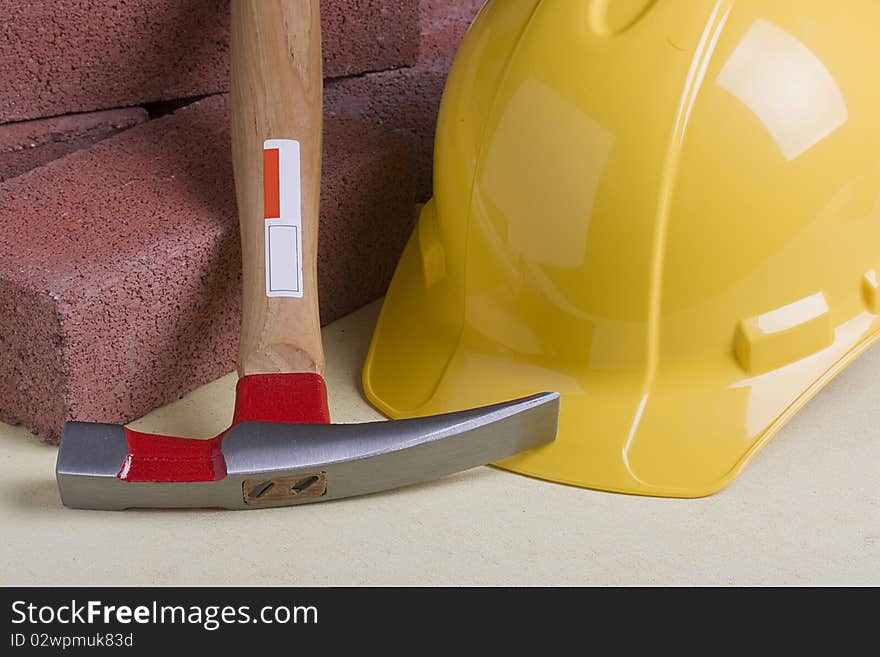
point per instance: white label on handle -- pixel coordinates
(282, 204)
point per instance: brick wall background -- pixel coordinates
(119, 264)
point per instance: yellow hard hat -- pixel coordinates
(668, 211)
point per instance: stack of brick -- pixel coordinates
(119, 252)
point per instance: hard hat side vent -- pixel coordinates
(784, 335)
(871, 291)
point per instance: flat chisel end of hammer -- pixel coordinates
(88, 454)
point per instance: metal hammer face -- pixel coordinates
(269, 464)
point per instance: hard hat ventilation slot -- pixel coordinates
(784, 335)
(871, 291)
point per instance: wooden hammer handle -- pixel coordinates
(277, 116)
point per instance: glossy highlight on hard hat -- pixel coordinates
(667, 210)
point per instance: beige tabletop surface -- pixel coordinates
(806, 511)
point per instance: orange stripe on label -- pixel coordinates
(271, 183)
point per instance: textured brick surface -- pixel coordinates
(120, 268)
(369, 35)
(442, 26)
(79, 55)
(30, 144)
(407, 100)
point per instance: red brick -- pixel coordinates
(443, 25)
(361, 36)
(407, 100)
(120, 267)
(30, 144)
(79, 55)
